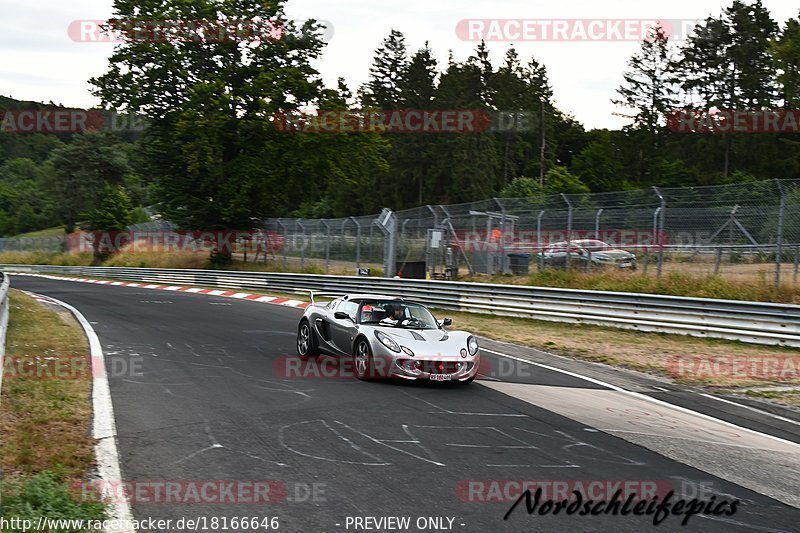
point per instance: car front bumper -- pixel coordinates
(436, 369)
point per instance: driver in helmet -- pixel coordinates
(394, 314)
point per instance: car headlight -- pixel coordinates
(387, 341)
(472, 345)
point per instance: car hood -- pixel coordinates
(410, 336)
(616, 254)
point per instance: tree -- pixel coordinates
(466, 164)
(648, 91)
(786, 51)
(413, 154)
(212, 103)
(81, 169)
(558, 180)
(599, 165)
(727, 64)
(388, 69)
(24, 201)
(112, 214)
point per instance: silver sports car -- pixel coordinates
(388, 337)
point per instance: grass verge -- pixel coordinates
(45, 414)
(760, 289)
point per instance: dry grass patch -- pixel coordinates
(758, 289)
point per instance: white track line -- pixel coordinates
(760, 411)
(645, 397)
(103, 427)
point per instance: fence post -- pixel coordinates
(327, 245)
(569, 229)
(659, 235)
(502, 243)
(796, 261)
(435, 216)
(539, 239)
(387, 222)
(655, 232)
(597, 223)
(302, 243)
(285, 241)
(358, 242)
(779, 240)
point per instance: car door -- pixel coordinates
(343, 330)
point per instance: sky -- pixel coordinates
(39, 61)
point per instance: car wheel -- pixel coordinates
(469, 380)
(362, 360)
(306, 341)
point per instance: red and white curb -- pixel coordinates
(274, 300)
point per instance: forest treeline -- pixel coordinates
(212, 156)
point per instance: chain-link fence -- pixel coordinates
(747, 230)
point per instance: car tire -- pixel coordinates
(363, 364)
(307, 347)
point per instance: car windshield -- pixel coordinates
(392, 313)
(593, 246)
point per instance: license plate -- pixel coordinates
(625, 265)
(441, 377)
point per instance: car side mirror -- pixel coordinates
(447, 322)
(341, 315)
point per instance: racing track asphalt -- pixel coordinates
(200, 393)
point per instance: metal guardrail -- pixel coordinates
(3, 322)
(751, 322)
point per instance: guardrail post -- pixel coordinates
(660, 230)
(779, 239)
(569, 229)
